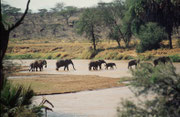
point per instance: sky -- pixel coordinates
(39, 4)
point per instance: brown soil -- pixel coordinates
(57, 84)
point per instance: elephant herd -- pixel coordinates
(93, 65)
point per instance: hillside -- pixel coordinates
(49, 25)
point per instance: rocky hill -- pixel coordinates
(49, 26)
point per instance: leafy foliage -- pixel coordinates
(16, 102)
(89, 24)
(175, 58)
(112, 14)
(164, 12)
(150, 37)
(160, 81)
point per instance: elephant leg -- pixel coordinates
(57, 68)
(40, 68)
(99, 66)
(67, 68)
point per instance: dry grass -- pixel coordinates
(52, 49)
(56, 84)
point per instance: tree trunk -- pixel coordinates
(119, 45)
(93, 37)
(5, 39)
(3, 47)
(170, 41)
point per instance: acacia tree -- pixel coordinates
(89, 24)
(5, 32)
(42, 12)
(111, 14)
(67, 12)
(164, 12)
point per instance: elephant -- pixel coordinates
(111, 65)
(133, 62)
(38, 64)
(163, 60)
(96, 64)
(64, 63)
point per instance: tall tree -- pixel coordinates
(67, 12)
(5, 32)
(112, 15)
(89, 24)
(58, 7)
(42, 12)
(164, 12)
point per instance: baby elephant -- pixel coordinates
(111, 65)
(133, 62)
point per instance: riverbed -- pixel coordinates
(97, 103)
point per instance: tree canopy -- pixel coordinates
(164, 12)
(89, 24)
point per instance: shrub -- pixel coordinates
(127, 57)
(110, 55)
(175, 58)
(161, 81)
(89, 53)
(119, 57)
(16, 101)
(150, 37)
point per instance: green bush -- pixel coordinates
(162, 82)
(23, 56)
(150, 37)
(127, 57)
(175, 58)
(16, 101)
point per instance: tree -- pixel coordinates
(42, 12)
(164, 12)
(5, 32)
(58, 7)
(9, 10)
(162, 82)
(111, 14)
(67, 12)
(150, 36)
(89, 24)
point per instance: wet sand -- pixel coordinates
(98, 103)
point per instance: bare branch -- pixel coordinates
(22, 18)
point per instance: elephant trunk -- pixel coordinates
(73, 66)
